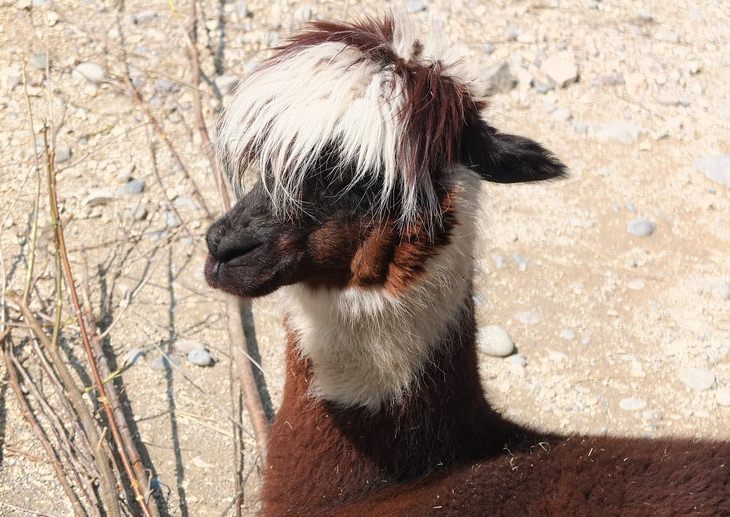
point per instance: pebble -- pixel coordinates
(698, 379)
(226, 83)
(561, 68)
(567, 334)
(416, 6)
(494, 340)
(640, 227)
(499, 261)
(716, 168)
(90, 71)
(63, 154)
(185, 346)
(528, 317)
(622, 132)
(162, 362)
(517, 360)
(498, 79)
(138, 212)
(636, 285)
(723, 397)
(133, 356)
(632, 404)
(489, 48)
(165, 86)
(562, 115)
(39, 61)
(98, 198)
(520, 261)
(200, 357)
(171, 220)
(542, 87)
(134, 186)
(145, 16)
(721, 292)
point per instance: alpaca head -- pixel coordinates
(361, 135)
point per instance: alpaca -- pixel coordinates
(370, 148)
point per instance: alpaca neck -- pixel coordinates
(324, 453)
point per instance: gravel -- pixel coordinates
(98, 198)
(698, 379)
(641, 227)
(632, 404)
(200, 357)
(134, 186)
(90, 71)
(567, 334)
(561, 68)
(39, 61)
(63, 153)
(416, 6)
(133, 356)
(622, 132)
(498, 79)
(516, 360)
(495, 341)
(716, 168)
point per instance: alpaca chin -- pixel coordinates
(368, 346)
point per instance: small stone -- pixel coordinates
(90, 71)
(692, 67)
(498, 79)
(226, 83)
(164, 362)
(562, 115)
(723, 397)
(721, 292)
(499, 261)
(520, 261)
(528, 317)
(561, 68)
(609, 80)
(632, 404)
(200, 357)
(416, 6)
(636, 285)
(133, 356)
(185, 346)
(489, 48)
(494, 340)
(542, 87)
(139, 213)
(171, 220)
(698, 379)
(623, 132)
(132, 187)
(63, 154)
(52, 18)
(641, 227)
(163, 86)
(567, 334)
(517, 360)
(98, 198)
(716, 168)
(145, 16)
(39, 61)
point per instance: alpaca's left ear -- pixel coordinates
(503, 158)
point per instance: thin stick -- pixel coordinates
(103, 395)
(105, 371)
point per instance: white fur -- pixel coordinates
(295, 105)
(368, 346)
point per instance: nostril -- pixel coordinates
(230, 248)
(214, 236)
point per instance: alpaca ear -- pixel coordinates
(502, 158)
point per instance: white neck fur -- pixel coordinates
(367, 346)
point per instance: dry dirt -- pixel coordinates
(599, 315)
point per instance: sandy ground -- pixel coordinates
(613, 328)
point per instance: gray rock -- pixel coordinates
(39, 61)
(723, 397)
(517, 360)
(171, 220)
(561, 68)
(499, 261)
(542, 87)
(63, 154)
(98, 198)
(139, 213)
(416, 6)
(632, 404)
(698, 379)
(90, 71)
(520, 261)
(132, 187)
(226, 83)
(163, 86)
(495, 341)
(567, 334)
(489, 48)
(623, 132)
(498, 79)
(164, 362)
(185, 203)
(145, 16)
(721, 292)
(716, 168)
(528, 317)
(200, 357)
(133, 356)
(640, 227)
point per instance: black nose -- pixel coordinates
(226, 243)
